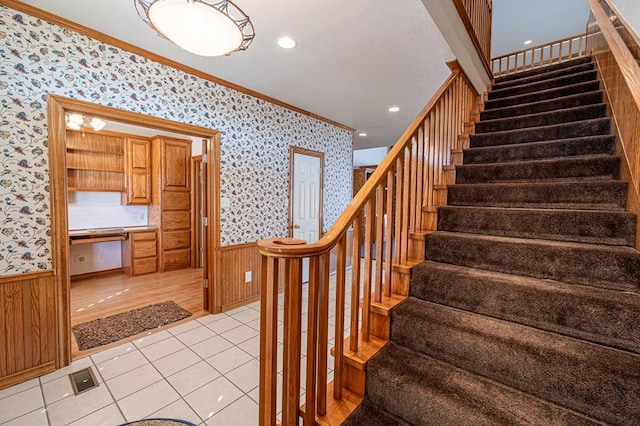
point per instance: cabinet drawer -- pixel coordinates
(144, 249)
(145, 266)
(176, 220)
(175, 201)
(144, 236)
(177, 259)
(176, 240)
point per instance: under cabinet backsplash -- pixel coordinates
(89, 210)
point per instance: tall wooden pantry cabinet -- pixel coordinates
(170, 207)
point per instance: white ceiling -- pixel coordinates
(354, 58)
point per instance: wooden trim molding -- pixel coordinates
(239, 246)
(65, 23)
(297, 150)
(27, 276)
(57, 107)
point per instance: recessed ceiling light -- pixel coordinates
(394, 109)
(528, 42)
(287, 42)
(362, 134)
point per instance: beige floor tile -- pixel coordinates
(213, 397)
(70, 409)
(229, 360)
(243, 412)
(175, 362)
(192, 378)
(20, 403)
(133, 381)
(107, 416)
(147, 401)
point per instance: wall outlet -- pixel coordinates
(80, 258)
(248, 277)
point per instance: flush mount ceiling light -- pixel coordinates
(528, 42)
(202, 27)
(287, 42)
(394, 109)
(79, 122)
(363, 134)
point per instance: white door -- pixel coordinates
(306, 193)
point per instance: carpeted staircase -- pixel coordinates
(527, 310)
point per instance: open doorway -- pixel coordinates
(156, 251)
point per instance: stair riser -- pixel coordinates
(543, 119)
(587, 196)
(544, 76)
(425, 391)
(543, 70)
(562, 148)
(545, 106)
(597, 266)
(592, 379)
(544, 85)
(597, 168)
(595, 227)
(599, 316)
(599, 126)
(546, 95)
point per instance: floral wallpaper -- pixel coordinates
(38, 58)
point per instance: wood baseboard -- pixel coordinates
(25, 375)
(96, 274)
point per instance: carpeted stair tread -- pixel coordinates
(548, 74)
(585, 195)
(425, 391)
(543, 70)
(567, 115)
(584, 226)
(543, 95)
(593, 379)
(593, 127)
(602, 316)
(369, 414)
(545, 84)
(560, 148)
(571, 101)
(575, 263)
(587, 167)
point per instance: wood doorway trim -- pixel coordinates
(297, 150)
(57, 107)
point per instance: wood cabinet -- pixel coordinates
(140, 252)
(95, 161)
(170, 208)
(137, 168)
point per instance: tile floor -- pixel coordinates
(205, 371)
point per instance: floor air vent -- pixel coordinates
(83, 380)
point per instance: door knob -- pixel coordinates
(296, 226)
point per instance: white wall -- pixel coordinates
(103, 210)
(85, 258)
(369, 157)
(630, 12)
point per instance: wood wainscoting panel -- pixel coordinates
(236, 260)
(27, 324)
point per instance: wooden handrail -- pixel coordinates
(477, 18)
(547, 53)
(389, 216)
(620, 76)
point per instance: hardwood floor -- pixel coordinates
(103, 296)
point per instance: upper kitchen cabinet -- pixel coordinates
(137, 165)
(170, 209)
(95, 161)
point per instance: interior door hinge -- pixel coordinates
(205, 283)
(205, 158)
(205, 221)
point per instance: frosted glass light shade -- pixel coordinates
(202, 27)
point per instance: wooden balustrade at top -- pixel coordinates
(399, 202)
(477, 17)
(539, 56)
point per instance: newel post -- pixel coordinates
(269, 338)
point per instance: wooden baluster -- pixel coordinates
(340, 299)
(405, 205)
(419, 178)
(560, 52)
(388, 262)
(292, 338)
(570, 48)
(268, 341)
(412, 183)
(323, 332)
(379, 240)
(398, 210)
(312, 338)
(366, 303)
(355, 285)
